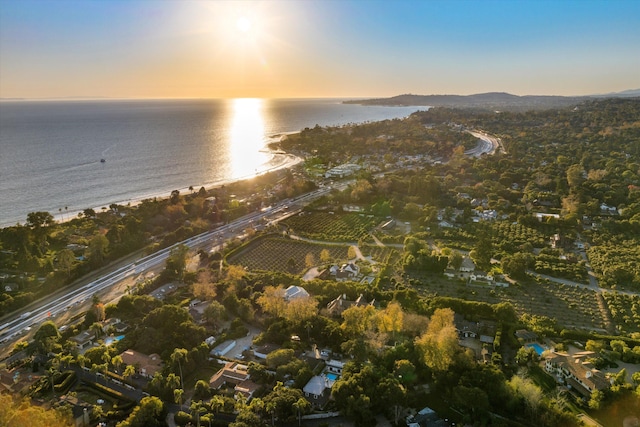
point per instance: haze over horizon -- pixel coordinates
(277, 49)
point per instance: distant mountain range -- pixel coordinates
(491, 100)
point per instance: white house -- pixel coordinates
(293, 292)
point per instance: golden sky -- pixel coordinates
(282, 49)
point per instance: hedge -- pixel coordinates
(114, 394)
(66, 380)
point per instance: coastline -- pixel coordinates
(279, 161)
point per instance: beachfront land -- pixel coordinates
(487, 287)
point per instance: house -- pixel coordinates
(467, 265)
(233, 373)
(465, 328)
(318, 390)
(223, 348)
(576, 373)
(293, 292)
(608, 209)
(335, 366)
(120, 327)
(262, 351)
(106, 324)
(525, 336)
(347, 272)
(341, 303)
(426, 417)
(544, 216)
(83, 339)
(146, 365)
(480, 276)
(342, 170)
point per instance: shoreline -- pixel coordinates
(288, 161)
(279, 161)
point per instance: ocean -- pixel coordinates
(66, 156)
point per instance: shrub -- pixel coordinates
(182, 418)
(65, 381)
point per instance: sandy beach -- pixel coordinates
(278, 161)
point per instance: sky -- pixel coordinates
(328, 48)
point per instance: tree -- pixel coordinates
(351, 252)
(272, 301)
(439, 344)
(390, 320)
(66, 259)
(149, 413)
(201, 390)
(517, 264)
(279, 357)
(531, 393)
(455, 260)
(280, 402)
(391, 391)
(215, 314)
(178, 355)
(129, 371)
(177, 396)
(176, 263)
(482, 252)
(97, 249)
(301, 406)
(325, 256)
(39, 220)
(358, 320)
(205, 287)
(117, 362)
(97, 329)
(19, 413)
(46, 337)
(309, 260)
(298, 310)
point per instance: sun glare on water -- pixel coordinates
(246, 137)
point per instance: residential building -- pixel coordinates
(576, 373)
(293, 292)
(146, 365)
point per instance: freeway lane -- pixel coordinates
(20, 325)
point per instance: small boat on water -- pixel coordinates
(102, 160)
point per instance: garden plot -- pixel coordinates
(332, 227)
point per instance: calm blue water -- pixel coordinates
(50, 152)
(332, 377)
(112, 340)
(537, 347)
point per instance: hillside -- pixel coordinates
(489, 101)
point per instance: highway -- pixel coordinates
(488, 144)
(22, 324)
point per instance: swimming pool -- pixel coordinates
(330, 376)
(110, 340)
(537, 347)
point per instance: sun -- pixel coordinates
(243, 24)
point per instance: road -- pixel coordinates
(20, 325)
(488, 144)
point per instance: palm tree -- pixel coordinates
(178, 355)
(129, 371)
(302, 405)
(116, 361)
(96, 328)
(177, 396)
(217, 403)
